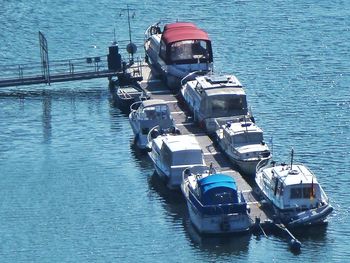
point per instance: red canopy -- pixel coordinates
(182, 31)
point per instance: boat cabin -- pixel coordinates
(182, 43)
(219, 190)
(178, 150)
(238, 133)
(293, 187)
(149, 114)
(211, 97)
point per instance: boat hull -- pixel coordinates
(247, 167)
(218, 224)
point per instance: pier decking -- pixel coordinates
(158, 90)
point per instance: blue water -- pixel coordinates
(73, 187)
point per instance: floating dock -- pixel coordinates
(260, 213)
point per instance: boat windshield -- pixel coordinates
(159, 112)
(187, 157)
(303, 192)
(189, 50)
(251, 137)
(225, 106)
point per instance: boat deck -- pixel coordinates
(158, 90)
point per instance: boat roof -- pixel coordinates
(180, 31)
(219, 84)
(182, 143)
(235, 128)
(153, 102)
(217, 180)
(299, 174)
(217, 184)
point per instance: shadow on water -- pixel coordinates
(140, 157)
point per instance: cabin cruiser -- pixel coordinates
(147, 114)
(243, 143)
(177, 50)
(294, 192)
(215, 99)
(171, 153)
(214, 203)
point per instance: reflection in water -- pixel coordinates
(219, 245)
(46, 118)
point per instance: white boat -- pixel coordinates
(147, 114)
(215, 99)
(171, 153)
(214, 203)
(294, 192)
(243, 143)
(177, 50)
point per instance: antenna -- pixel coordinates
(131, 47)
(291, 159)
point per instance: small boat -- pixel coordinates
(177, 50)
(128, 94)
(214, 203)
(294, 192)
(214, 99)
(125, 92)
(172, 153)
(243, 143)
(147, 114)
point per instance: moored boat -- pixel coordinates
(214, 203)
(294, 192)
(171, 153)
(243, 143)
(147, 114)
(215, 99)
(177, 50)
(128, 94)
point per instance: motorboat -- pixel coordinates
(214, 203)
(177, 50)
(145, 115)
(294, 192)
(214, 99)
(172, 153)
(243, 143)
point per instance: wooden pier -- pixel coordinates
(260, 213)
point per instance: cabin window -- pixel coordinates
(162, 52)
(307, 192)
(296, 193)
(166, 154)
(225, 106)
(145, 130)
(300, 192)
(222, 198)
(189, 50)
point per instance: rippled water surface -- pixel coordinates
(73, 187)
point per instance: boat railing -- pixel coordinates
(135, 105)
(198, 171)
(231, 208)
(193, 75)
(264, 163)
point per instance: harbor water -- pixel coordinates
(73, 188)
